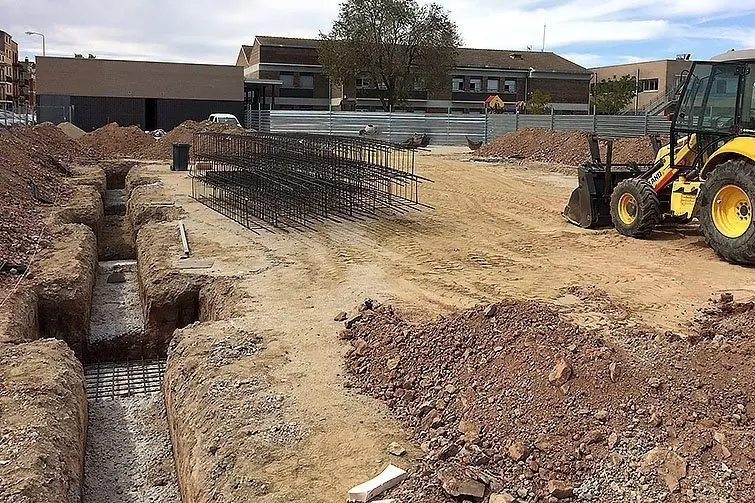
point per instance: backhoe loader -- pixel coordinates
(707, 170)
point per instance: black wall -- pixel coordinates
(91, 112)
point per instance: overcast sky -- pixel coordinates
(590, 32)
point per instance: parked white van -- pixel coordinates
(225, 119)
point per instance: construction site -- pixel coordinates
(297, 313)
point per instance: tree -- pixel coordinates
(613, 95)
(539, 102)
(395, 44)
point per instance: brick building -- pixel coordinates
(9, 71)
(27, 94)
(285, 73)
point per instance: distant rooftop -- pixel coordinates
(468, 57)
(733, 55)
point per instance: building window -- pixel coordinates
(493, 86)
(307, 81)
(287, 79)
(475, 84)
(363, 83)
(648, 85)
(509, 86)
(457, 84)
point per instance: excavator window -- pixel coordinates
(748, 109)
(709, 103)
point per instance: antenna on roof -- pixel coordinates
(543, 50)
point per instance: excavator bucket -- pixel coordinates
(590, 203)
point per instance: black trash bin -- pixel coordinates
(180, 157)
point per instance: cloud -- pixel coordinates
(201, 31)
(585, 59)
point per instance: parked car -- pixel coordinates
(225, 119)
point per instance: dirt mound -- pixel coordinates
(726, 319)
(114, 141)
(71, 130)
(514, 398)
(561, 147)
(31, 158)
(183, 133)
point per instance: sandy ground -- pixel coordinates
(495, 231)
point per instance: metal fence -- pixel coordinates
(27, 116)
(448, 129)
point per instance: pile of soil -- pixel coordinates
(71, 130)
(114, 141)
(726, 319)
(184, 133)
(512, 398)
(30, 157)
(561, 147)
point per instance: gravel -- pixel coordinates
(116, 312)
(129, 457)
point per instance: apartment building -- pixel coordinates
(27, 93)
(657, 81)
(285, 73)
(8, 71)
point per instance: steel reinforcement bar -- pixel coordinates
(291, 179)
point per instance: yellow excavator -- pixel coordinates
(707, 171)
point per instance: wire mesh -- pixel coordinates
(292, 179)
(123, 379)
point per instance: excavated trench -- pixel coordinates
(128, 449)
(109, 287)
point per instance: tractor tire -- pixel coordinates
(725, 213)
(635, 208)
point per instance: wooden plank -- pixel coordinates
(194, 264)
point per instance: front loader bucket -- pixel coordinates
(587, 204)
(590, 203)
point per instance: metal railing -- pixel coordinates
(448, 129)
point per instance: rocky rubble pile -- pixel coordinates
(510, 402)
(561, 147)
(32, 160)
(113, 141)
(184, 133)
(726, 319)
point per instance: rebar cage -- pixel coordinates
(289, 180)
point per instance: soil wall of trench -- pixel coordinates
(44, 334)
(43, 325)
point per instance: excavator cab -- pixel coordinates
(707, 170)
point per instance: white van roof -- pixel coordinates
(224, 116)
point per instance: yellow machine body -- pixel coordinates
(684, 198)
(741, 146)
(684, 155)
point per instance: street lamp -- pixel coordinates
(43, 40)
